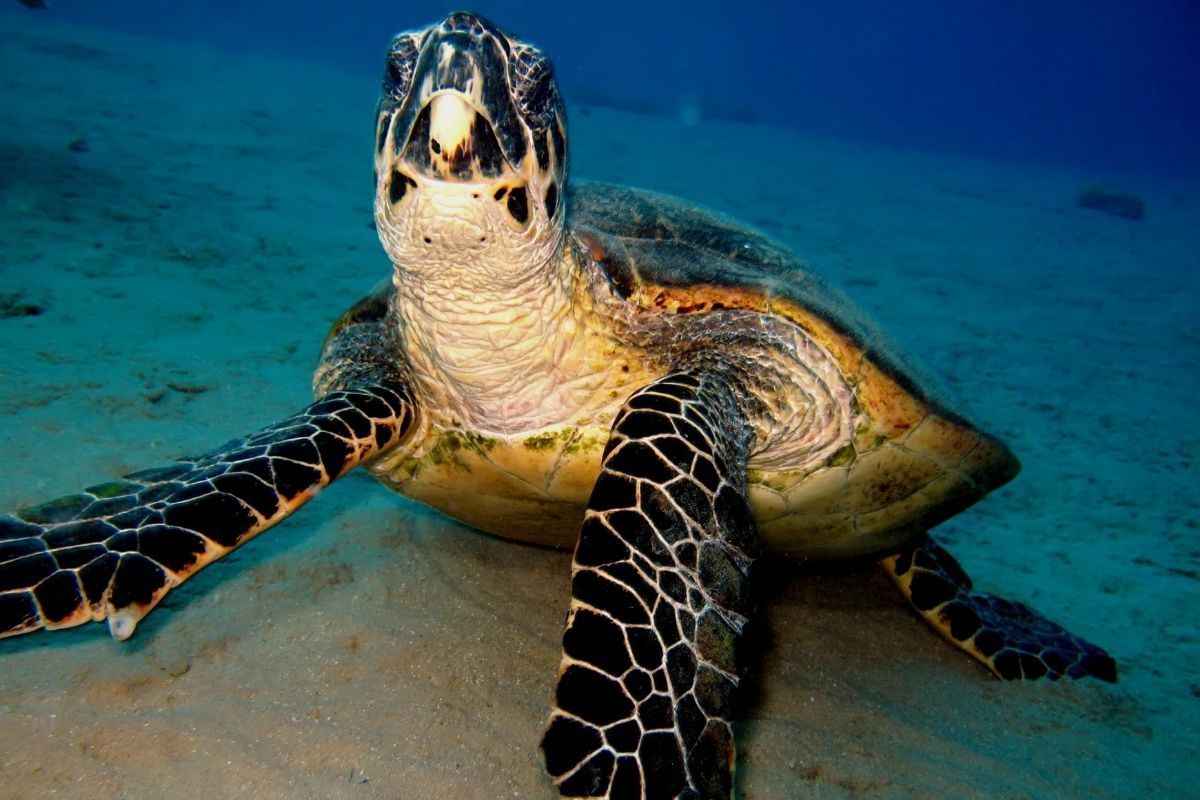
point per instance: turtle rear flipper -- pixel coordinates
(1010, 638)
(114, 550)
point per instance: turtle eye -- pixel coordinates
(532, 78)
(401, 62)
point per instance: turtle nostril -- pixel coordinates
(436, 146)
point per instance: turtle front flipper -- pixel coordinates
(1011, 639)
(659, 601)
(114, 550)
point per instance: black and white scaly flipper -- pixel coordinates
(650, 666)
(115, 549)
(1009, 638)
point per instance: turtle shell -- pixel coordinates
(914, 461)
(665, 254)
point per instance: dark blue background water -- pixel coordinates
(1105, 84)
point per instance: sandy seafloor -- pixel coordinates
(185, 265)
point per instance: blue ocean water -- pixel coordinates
(1108, 84)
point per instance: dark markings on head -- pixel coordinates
(499, 195)
(559, 144)
(397, 77)
(532, 78)
(416, 153)
(456, 64)
(487, 149)
(551, 200)
(398, 184)
(542, 151)
(460, 163)
(518, 205)
(381, 132)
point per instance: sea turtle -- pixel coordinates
(604, 368)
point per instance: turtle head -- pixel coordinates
(470, 149)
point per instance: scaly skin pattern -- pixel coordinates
(1009, 638)
(115, 549)
(660, 596)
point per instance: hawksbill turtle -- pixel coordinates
(663, 389)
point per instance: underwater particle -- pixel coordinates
(1118, 204)
(15, 304)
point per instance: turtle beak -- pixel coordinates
(452, 141)
(453, 119)
(452, 127)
